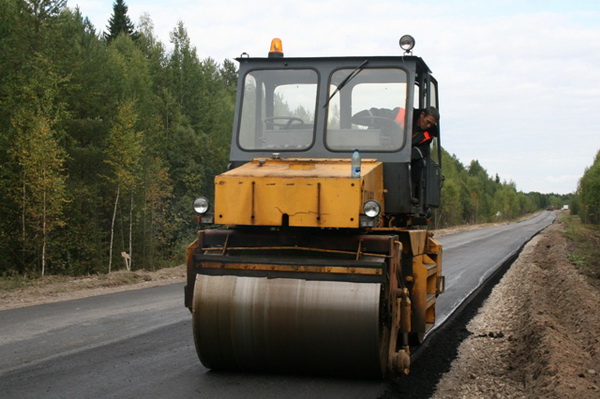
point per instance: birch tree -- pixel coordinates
(40, 159)
(124, 153)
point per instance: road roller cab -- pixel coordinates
(321, 261)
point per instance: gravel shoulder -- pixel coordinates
(536, 334)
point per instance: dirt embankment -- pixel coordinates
(63, 288)
(536, 336)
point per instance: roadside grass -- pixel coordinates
(584, 250)
(13, 282)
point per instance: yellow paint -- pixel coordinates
(292, 268)
(426, 270)
(311, 192)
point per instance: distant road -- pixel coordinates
(139, 343)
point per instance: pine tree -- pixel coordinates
(589, 193)
(120, 23)
(44, 11)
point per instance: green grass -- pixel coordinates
(584, 248)
(9, 283)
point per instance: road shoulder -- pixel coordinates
(537, 333)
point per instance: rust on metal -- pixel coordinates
(310, 249)
(292, 268)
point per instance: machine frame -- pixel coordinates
(290, 211)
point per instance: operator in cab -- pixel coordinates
(425, 128)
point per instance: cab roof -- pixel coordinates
(336, 60)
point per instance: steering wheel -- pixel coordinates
(272, 121)
(373, 121)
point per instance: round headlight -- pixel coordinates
(372, 208)
(201, 205)
(407, 42)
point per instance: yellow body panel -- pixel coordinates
(311, 192)
(427, 270)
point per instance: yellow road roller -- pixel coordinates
(314, 256)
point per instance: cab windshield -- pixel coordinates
(278, 111)
(365, 109)
(368, 111)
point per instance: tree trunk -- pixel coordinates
(130, 232)
(44, 233)
(23, 227)
(112, 229)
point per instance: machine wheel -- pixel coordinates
(293, 325)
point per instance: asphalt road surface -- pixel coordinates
(139, 343)
(471, 257)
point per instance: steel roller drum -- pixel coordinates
(248, 323)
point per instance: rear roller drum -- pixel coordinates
(248, 323)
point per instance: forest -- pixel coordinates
(107, 137)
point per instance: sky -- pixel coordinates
(519, 80)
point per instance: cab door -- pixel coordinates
(433, 166)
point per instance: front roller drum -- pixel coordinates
(290, 325)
